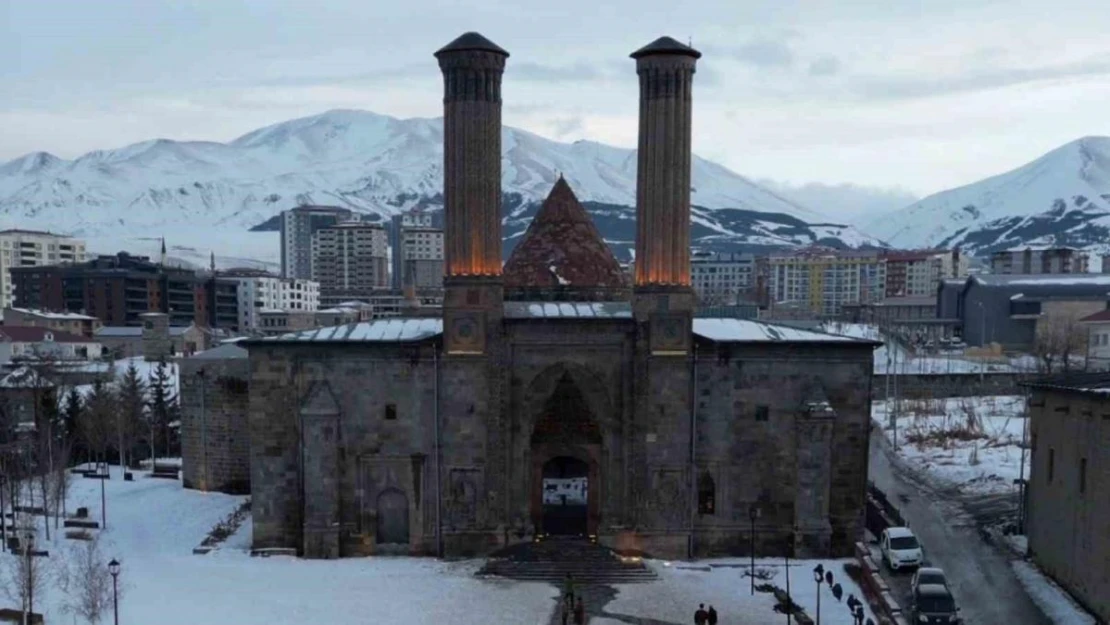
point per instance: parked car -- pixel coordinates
(933, 604)
(900, 548)
(927, 575)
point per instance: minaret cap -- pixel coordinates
(665, 45)
(471, 41)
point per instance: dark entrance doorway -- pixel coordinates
(393, 517)
(565, 496)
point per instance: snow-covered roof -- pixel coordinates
(133, 331)
(70, 316)
(25, 377)
(227, 351)
(728, 330)
(397, 329)
(568, 310)
(1038, 279)
(1096, 383)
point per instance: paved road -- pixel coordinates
(982, 581)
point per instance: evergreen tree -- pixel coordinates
(131, 415)
(162, 407)
(95, 427)
(71, 418)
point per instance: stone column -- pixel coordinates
(813, 466)
(666, 69)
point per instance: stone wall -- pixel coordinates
(1066, 522)
(760, 444)
(214, 413)
(371, 410)
(915, 386)
(156, 343)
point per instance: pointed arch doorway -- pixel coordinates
(566, 453)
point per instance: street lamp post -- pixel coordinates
(113, 568)
(753, 514)
(789, 600)
(819, 576)
(103, 499)
(27, 547)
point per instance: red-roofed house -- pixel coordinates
(27, 342)
(1098, 340)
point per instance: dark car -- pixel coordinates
(934, 604)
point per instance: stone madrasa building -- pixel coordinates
(551, 397)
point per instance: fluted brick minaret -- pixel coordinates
(472, 67)
(666, 70)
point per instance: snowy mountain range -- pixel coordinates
(1062, 198)
(207, 196)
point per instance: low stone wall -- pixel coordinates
(876, 590)
(912, 386)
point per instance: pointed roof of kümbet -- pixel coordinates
(666, 45)
(562, 247)
(471, 41)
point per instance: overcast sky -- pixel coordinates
(921, 95)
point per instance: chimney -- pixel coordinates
(472, 67)
(666, 70)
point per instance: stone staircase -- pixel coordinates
(551, 559)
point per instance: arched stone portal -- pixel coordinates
(393, 518)
(566, 447)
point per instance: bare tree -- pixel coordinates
(1059, 336)
(24, 576)
(86, 582)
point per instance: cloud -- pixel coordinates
(904, 87)
(764, 53)
(824, 66)
(567, 125)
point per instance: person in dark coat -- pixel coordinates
(838, 591)
(566, 610)
(579, 613)
(711, 616)
(701, 616)
(568, 588)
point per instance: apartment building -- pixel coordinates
(30, 248)
(722, 278)
(73, 323)
(822, 280)
(350, 260)
(117, 289)
(416, 250)
(911, 273)
(1040, 260)
(261, 290)
(297, 227)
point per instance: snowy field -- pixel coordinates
(153, 526)
(894, 358)
(724, 584)
(970, 442)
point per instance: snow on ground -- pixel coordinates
(894, 357)
(154, 524)
(724, 584)
(1053, 600)
(971, 442)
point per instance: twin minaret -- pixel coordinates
(472, 68)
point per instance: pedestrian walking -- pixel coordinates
(568, 588)
(711, 616)
(700, 615)
(566, 610)
(579, 613)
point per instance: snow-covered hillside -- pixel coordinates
(1061, 198)
(206, 195)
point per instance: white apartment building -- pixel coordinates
(350, 260)
(29, 248)
(266, 292)
(422, 257)
(297, 227)
(1040, 259)
(917, 273)
(722, 278)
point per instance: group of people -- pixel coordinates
(572, 604)
(705, 617)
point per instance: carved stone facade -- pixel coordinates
(567, 406)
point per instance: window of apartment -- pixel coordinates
(707, 494)
(762, 413)
(390, 412)
(1051, 464)
(1082, 475)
